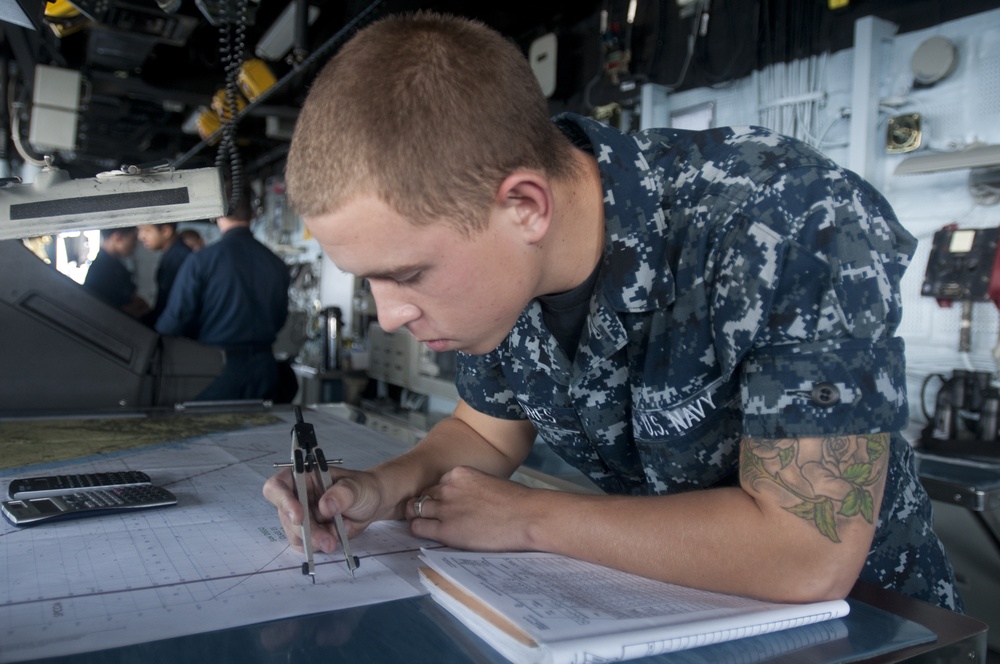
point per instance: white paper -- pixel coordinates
(581, 612)
(218, 559)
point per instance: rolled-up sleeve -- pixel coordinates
(807, 305)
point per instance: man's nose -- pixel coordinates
(393, 312)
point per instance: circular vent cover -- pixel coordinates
(933, 60)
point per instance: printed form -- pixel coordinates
(540, 607)
(217, 559)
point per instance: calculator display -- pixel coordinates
(45, 506)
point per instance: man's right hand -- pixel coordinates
(362, 497)
(355, 495)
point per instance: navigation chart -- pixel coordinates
(217, 559)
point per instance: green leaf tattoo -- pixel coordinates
(830, 480)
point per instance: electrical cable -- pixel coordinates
(821, 140)
(588, 88)
(713, 78)
(15, 136)
(923, 391)
(661, 30)
(691, 40)
(14, 111)
(984, 193)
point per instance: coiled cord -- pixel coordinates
(232, 40)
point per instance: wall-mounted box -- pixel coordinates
(55, 102)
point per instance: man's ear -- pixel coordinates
(526, 199)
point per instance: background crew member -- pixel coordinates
(233, 294)
(721, 359)
(192, 239)
(107, 276)
(164, 238)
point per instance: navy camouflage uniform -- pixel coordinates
(748, 287)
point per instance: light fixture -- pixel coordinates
(973, 156)
(55, 203)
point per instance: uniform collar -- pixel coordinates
(635, 276)
(237, 230)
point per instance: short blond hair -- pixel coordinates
(427, 112)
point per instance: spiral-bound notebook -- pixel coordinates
(537, 607)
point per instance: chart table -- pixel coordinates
(213, 578)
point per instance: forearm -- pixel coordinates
(788, 536)
(666, 538)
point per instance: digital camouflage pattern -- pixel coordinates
(749, 287)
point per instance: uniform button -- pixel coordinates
(825, 394)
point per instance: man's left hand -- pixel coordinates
(472, 510)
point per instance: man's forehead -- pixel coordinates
(373, 224)
(386, 259)
(385, 256)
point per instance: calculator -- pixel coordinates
(54, 485)
(95, 502)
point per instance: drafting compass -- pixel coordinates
(307, 457)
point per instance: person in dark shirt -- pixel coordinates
(192, 239)
(232, 295)
(164, 238)
(109, 279)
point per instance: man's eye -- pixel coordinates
(408, 279)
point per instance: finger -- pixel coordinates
(431, 529)
(421, 507)
(323, 538)
(319, 530)
(292, 525)
(338, 473)
(293, 533)
(338, 499)
(356, 497)
(279, 488)
(278, 492)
